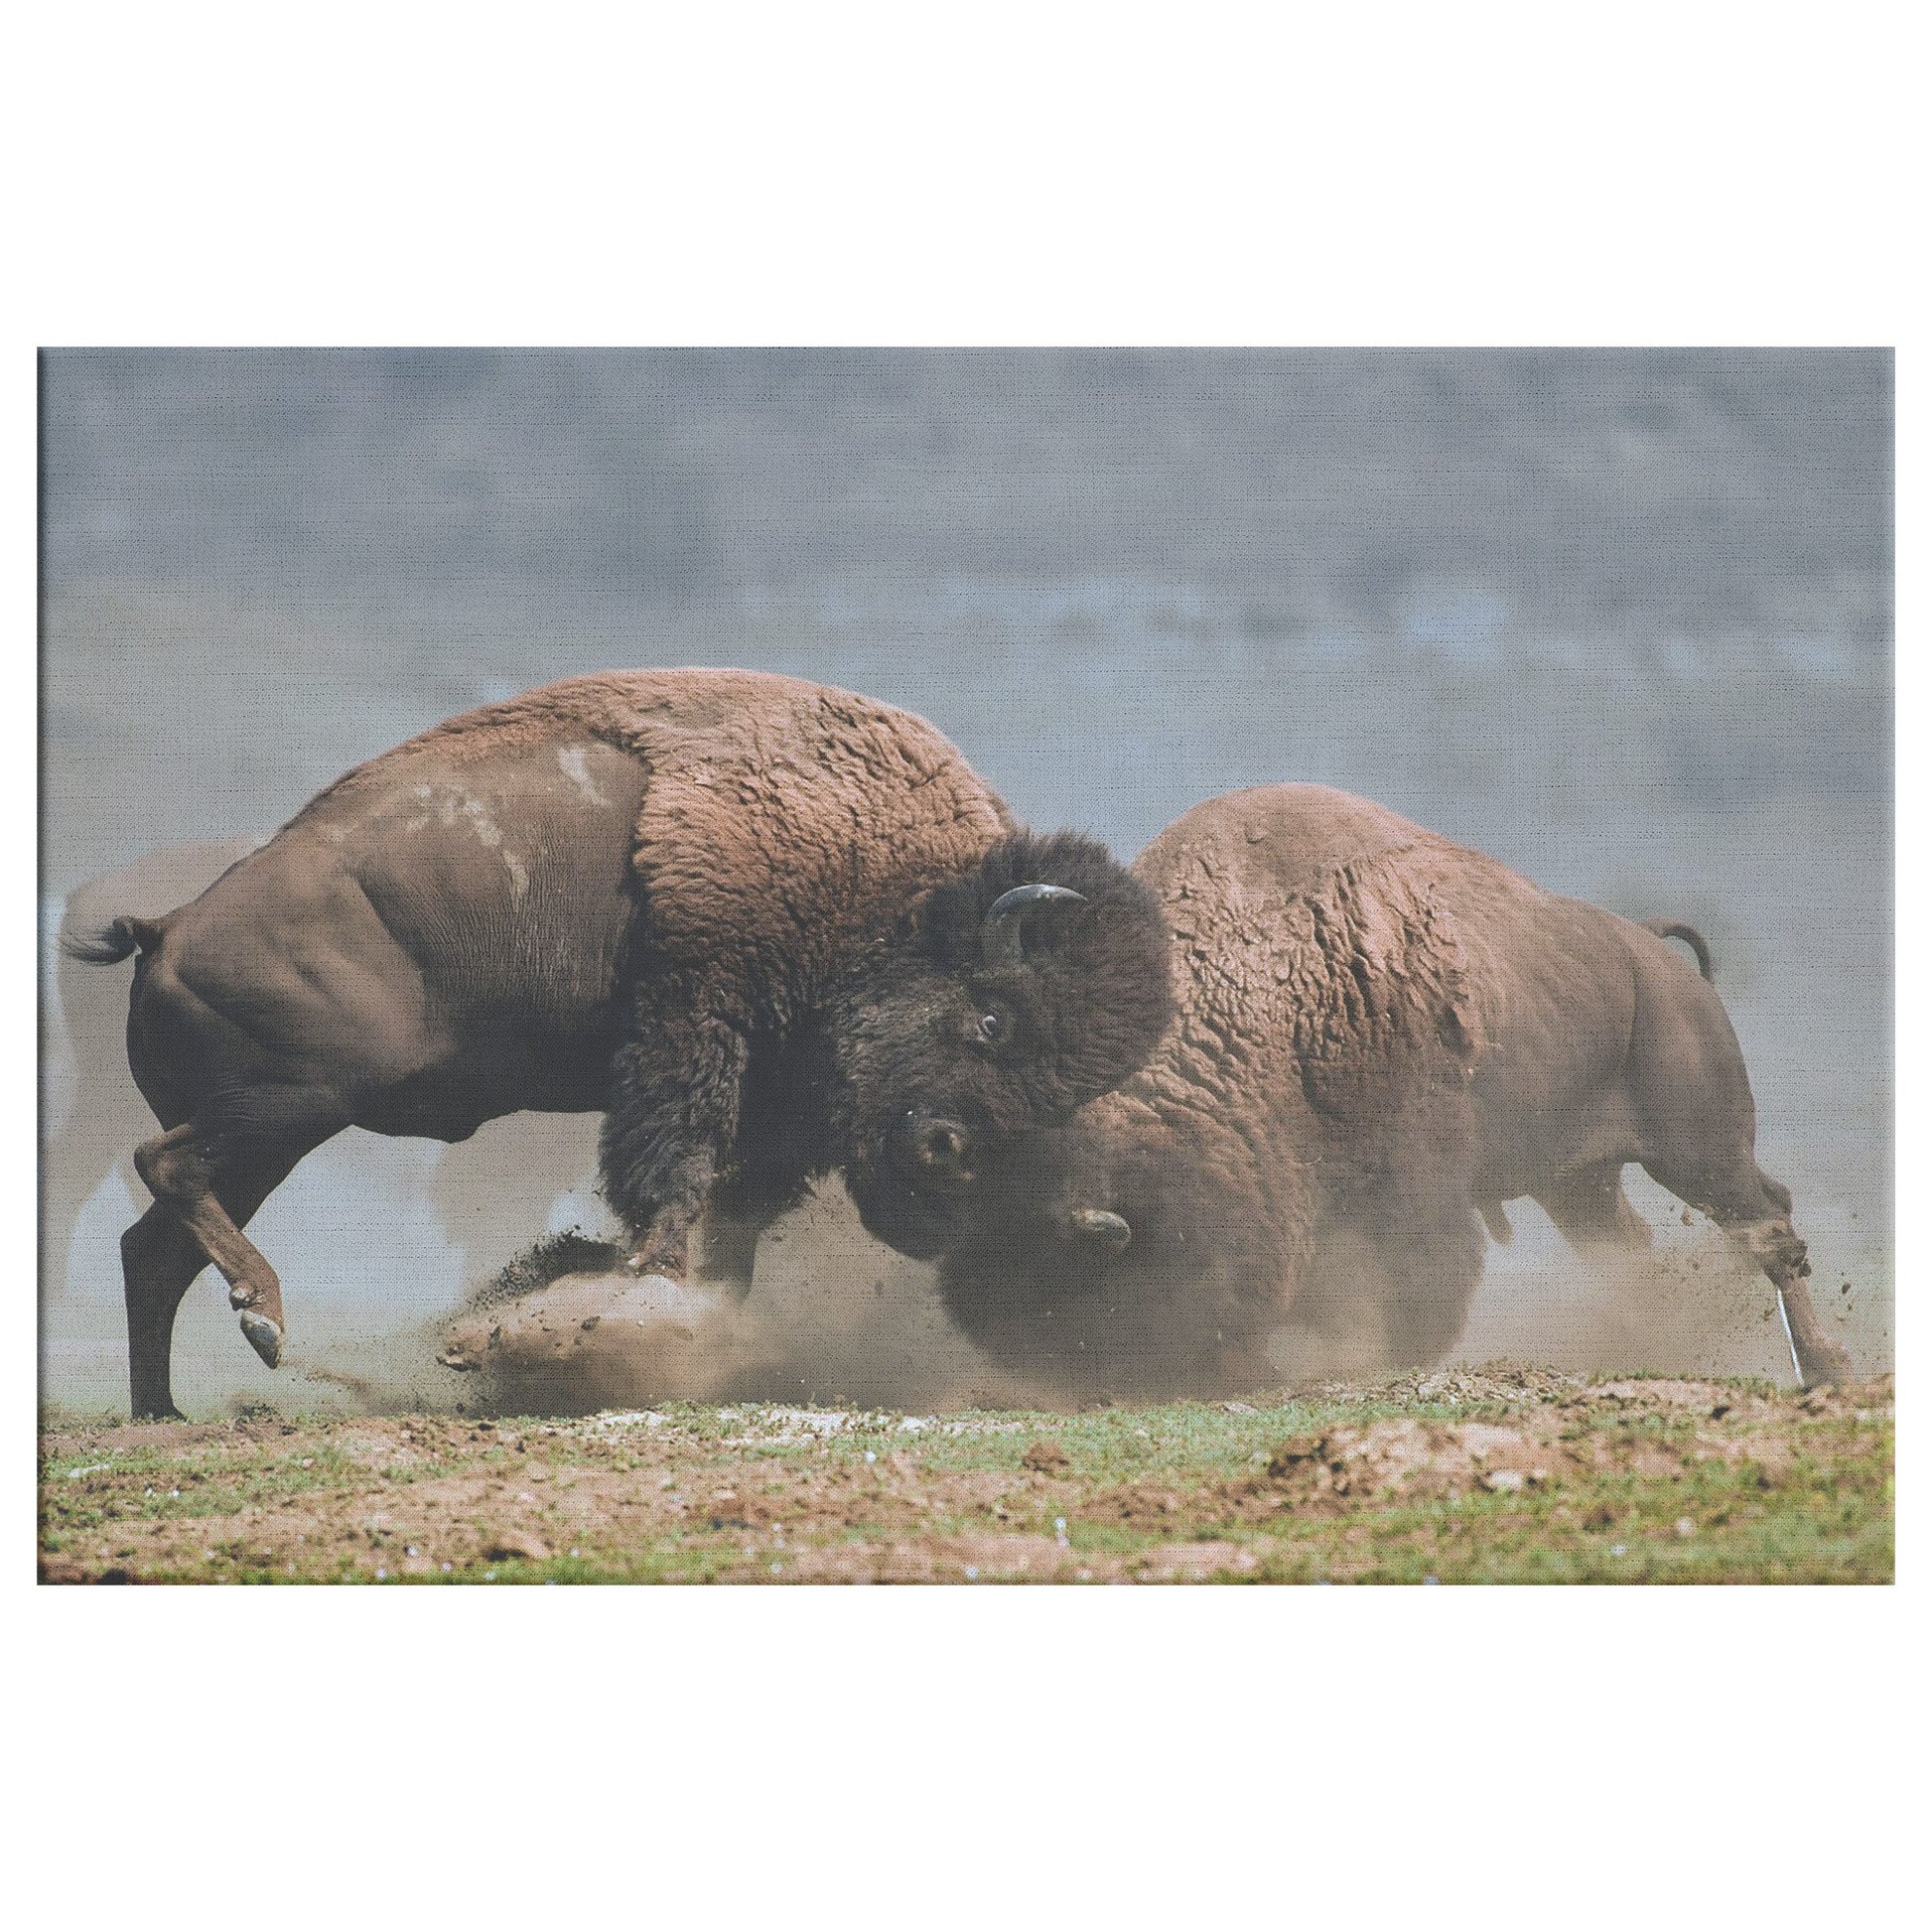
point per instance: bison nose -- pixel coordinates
(940, 1152)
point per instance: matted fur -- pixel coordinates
(1319, 1064)
(783, 823)
(1379, 1029)
(1094, 991)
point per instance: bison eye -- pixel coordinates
(993, 1028)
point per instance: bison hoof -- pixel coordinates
(1828, 1372)
(264, 1336)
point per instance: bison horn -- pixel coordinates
(999, 935)
(1099, 1225)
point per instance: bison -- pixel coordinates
(1379, 1034)
(765, 927)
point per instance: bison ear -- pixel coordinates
(1004, 931)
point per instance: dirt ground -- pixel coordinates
(1505, 1473)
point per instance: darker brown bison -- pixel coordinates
(1379, 1034)
(765, 927)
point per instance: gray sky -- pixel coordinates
(1638, 491)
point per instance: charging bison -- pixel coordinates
(767, 928)
(1379, 1034)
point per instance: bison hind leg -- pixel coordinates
(159, 1259)
(1779, 1251)
(209, 1175)
(1756, 1212)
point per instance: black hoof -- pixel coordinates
(264, 1336)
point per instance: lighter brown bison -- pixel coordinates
(1379, 1033)
(767, 928)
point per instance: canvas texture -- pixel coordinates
(1620, 619)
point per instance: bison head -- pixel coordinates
(1008, 998)
(1106, 1257)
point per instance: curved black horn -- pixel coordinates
(999, 935)
(1099, 1225)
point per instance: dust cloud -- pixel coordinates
(385, 1247)
(835, 1318)
(832, 1318)
(1621, 618)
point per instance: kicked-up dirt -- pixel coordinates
(1501, 1474)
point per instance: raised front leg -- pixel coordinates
(675, 1098)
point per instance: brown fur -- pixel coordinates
(688, 899)
(1378, 1030)
(783, 824)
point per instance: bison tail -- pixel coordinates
(1692, 937)
(115, 941)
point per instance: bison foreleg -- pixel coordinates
(728, 1246)
(675, 1099)
(1430, 1277)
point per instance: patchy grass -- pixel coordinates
(1501, 1475)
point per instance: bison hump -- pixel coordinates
(781, 830)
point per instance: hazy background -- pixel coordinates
(1620, 618)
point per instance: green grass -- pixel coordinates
(1769, 1489)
